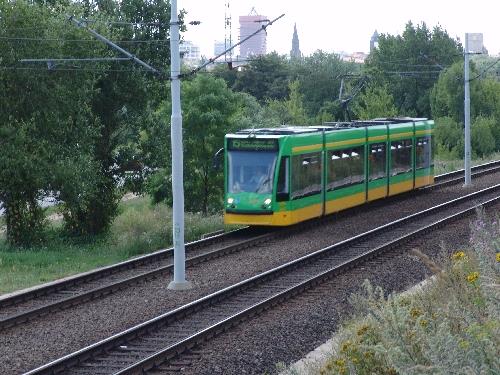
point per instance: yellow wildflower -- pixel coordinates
(459, 255)
(340, 362)
(464, 344)
(363, 329)
(473, 276)
(369, 354)
(498, 257)
(424, 323)
(415, 312)
(345, 346)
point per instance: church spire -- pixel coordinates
(295, 52)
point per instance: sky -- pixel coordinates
(335, 26)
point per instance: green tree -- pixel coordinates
(447, 95)
(408, 65)
(319, 79)
(120, 102)
(331, 110)
(266, 77)
(375, 102)
(449, 137)
(46, 122)
(482, 140)
(447, 98)
(210, 110)
(290, 111)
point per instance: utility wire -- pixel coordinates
(405, 64)
(413, 72)
(212, 60)
(126, 23)
(485, 69)
(79, 40)
(74, 69)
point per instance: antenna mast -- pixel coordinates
(228, 35)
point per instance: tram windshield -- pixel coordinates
(251, 171)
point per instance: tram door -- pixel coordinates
(306, 186)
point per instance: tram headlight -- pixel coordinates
(230, 200)
(267, 202)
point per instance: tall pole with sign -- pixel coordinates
(179, 282)
(467, 113)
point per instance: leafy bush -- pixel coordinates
(482, 140)
(449, 137)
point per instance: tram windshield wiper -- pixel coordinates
(262, 185)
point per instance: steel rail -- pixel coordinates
(455, 177)
(101, 291)
(79, 279)
(122, 340)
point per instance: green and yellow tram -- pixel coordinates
(282, 176)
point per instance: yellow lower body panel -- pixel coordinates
(282, 218)
(401, 187)
(340, 204)
(423, 181)
(377, 193)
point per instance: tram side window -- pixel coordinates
(376, 160)
(345, 168)
(401, 156)
(306, 175)
(423, 153)
(283, 191)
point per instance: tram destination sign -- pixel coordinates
(252, 144)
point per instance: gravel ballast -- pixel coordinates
(51, 337)
(287, 333)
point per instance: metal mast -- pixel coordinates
(228, 34)
(467, 113)
(179, 282)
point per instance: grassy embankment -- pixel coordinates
(442, 165)
(451, 326)
(139, 229)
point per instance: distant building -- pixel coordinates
(295, 52)
(357, 57)
(257, 44)
(374, 41)
(189, 51)
(221, 46)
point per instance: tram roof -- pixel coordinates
(327, 126)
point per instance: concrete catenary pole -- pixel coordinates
(179, 282)
(467, 113)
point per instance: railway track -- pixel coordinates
(150, 345)
(20, 308)
(457, 176)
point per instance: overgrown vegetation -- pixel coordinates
(443, 164)
(451, 326)
(140, 228)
